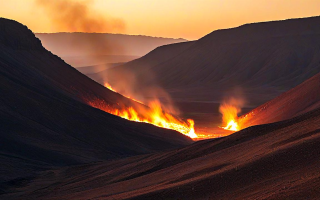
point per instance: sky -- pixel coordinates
(189, 19)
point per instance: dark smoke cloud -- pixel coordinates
(76, 16)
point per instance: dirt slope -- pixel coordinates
(301, 99)
(274, 161)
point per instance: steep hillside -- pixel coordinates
(45, 119)
(301, 99)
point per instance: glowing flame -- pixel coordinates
(232, 126)
(229, 111)
(107, 85)
(155, 115)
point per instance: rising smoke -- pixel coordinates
(78, 16)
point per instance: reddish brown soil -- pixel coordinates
(275, 161)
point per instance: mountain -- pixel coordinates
(260, 61)
(46, 120)
(274, 161)
(86, 49)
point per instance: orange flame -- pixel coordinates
(229, 111)
(107, 85)
(155, 115)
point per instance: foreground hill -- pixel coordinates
(85, 49)
(274, 161)
(45, 119)
(260, 60)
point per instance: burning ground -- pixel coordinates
(153, 113)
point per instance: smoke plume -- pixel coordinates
(77, 16)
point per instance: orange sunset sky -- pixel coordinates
(189, 19)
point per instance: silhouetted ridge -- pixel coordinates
(17, 36)
(263, 30)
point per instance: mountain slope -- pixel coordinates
(260, 60)
(301, 99)
(45, 119)
(274, 161)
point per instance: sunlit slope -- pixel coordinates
(301, 99)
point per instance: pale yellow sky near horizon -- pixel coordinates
(189, 19)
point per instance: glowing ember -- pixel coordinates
(107, 85)
(229, 111)
(232, 126)
(155, 115)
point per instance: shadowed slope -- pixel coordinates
(45, 121)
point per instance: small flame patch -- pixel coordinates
(230, 110)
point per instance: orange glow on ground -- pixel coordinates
(157, 116)
(107, 85)
(154, 115)
(229, 111)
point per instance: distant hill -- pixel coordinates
(84, 49)
(261, 60)
(45, 117)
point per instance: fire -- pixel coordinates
(229, 111)
(107, 85)
(155, 115)
(232, 126)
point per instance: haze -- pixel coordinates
(187, 19)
